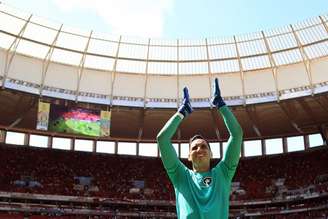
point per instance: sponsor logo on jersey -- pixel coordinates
(207, 181)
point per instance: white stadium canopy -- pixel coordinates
(50, 59)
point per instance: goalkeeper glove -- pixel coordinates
(217, 99)
(185, 109)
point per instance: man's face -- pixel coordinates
(199, 152)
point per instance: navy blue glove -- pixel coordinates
(185, 109)
(217, 99)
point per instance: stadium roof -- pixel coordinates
(272, 67)
(266, 49)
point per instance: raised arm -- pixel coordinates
(231, 157)
(168, 154)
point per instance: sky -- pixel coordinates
(172, 19)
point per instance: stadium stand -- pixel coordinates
(288, 177)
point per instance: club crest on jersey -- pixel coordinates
(207, 181)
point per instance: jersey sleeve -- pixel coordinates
(171, 162)
(230, 158)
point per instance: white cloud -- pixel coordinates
(127, 17)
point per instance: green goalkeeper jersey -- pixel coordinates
(201, 195)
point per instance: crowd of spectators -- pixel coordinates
(24, 216)
(298, 170)
(114, 175)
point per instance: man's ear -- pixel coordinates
(189, 157)
(211, 154)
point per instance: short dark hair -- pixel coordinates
(198, 136)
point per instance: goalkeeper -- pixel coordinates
(201, 193)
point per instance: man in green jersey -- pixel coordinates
(201, 193)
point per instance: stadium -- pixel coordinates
(80, 113)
